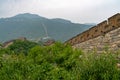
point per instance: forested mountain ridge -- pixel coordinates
(30, 26)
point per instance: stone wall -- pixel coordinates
(100, 29)
(110, 40)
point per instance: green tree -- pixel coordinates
(22, 46)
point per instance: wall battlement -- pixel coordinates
(100, 29)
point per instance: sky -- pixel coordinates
(78, 11)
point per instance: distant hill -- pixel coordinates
(90, 23)
(30, 26)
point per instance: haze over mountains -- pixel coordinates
(31, 26)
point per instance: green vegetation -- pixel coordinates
(29, 61)
(0, 44)
(22, 46)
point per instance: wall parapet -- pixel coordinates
(102, 28)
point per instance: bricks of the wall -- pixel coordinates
(98, 30)
(111, 40)
(113, 21)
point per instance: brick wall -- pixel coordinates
(99, 30)
(111, 40)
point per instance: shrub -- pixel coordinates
(55, 62)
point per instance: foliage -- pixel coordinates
(98, 67)
(0, 44)
(22, 46)
(55, 62)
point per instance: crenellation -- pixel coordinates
(112, 21)
(98, 30)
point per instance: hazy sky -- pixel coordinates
(82, 11)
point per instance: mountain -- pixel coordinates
(90, 23)
(31, 26)
(61, 20)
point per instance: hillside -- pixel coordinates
(30, 26)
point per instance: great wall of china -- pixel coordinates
(106, 33)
